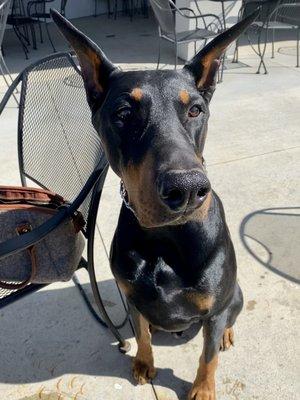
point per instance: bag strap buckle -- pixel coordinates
(24, 228)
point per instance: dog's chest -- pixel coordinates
(167, 294)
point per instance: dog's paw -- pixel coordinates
(203, 391)
(143, 371)
(227, 340)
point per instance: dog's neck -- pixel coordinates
(187, 246)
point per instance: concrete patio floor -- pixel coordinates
(50, 346)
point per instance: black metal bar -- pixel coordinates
(124, 346)
(20, 129)
(10, 92)
(49, 36)
(223, 14)
(297, 44)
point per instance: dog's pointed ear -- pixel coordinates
(204, 65)
(95, 67)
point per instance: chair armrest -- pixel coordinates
(195, 16)
(26, 240)
(179, 10)
(188, 16)
(213, 16)
(189, 10)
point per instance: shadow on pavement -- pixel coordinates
(271, 236)
(51, 333)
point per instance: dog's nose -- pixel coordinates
(180, 190)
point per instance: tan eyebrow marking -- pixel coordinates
(136, 94)
(184, 96)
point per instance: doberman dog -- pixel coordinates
(171, 254)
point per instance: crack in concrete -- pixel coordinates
(253, 156)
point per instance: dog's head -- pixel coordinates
(153, 126)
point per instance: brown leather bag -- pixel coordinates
(54, 258)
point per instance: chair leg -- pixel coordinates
(19, 36)
(220, 75)
(115, 9)
(145, 9)
(298, 39)
(273, 43)
(158, 57)
(124, 346)
(33, 37)
(176, 54)
(2, 72)
(49, 37)
(262, 53)
(41, 32)
(25, 34)
(131, 11)
(108, 8)
(235, 58)
(5, 68)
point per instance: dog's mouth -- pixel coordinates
(163, 217)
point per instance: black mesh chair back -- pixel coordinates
(58, 146)
(164, 15)
(289, 12)
(59, 150)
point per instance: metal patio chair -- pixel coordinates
(286, 16)
(4, 10)
(165, 14)
(59, 150)
(274, 15)
(38, 11)
(22, 24)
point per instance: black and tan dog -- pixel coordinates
(172, 254)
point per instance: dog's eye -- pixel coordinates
(194, 111)
(123, 114)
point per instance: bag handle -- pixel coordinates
(21, 230)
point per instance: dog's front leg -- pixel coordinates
(204, 384)
(143, 363)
